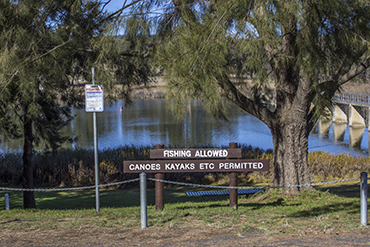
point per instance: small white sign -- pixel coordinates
(94, 100)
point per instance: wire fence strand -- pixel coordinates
(67, 189)
(176, 183)
(250, 187)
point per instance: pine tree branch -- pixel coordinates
(185, 12)
(14, 110)
(118, 13)
(206, 42)
(7, 82)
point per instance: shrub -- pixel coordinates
(66, 167)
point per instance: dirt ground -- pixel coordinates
(179, 236)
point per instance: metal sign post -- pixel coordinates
(95, 103)
(363, 198)
(143, 200)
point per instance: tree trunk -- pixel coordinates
(290, 152)
(289, 129)
(27, 178)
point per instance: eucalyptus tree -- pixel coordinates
(43, 43)
(299, 53)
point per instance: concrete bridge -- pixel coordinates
(350, 110)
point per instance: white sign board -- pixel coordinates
(94, 100)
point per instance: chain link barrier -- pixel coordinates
(73, 188)
(250, 187)
(176, 183)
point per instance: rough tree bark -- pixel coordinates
(290, 152)
(289, 129)
(27, 177)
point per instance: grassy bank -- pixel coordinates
(329, 208)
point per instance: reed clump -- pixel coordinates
(327, 167)
(71, 168)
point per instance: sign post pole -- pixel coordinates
(233, 193)
(94, 103)
(97, 201)
(233, 182)
(6, 201)
(96, 165)
(159, 186)
(143, 200)
(363, 200)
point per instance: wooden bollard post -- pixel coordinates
(233, 182)
(159, 186)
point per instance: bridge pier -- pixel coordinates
(355, 118)
(339, 116)
(349, 110)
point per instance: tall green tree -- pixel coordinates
(44, 46)
(299, 52)
(38, 41)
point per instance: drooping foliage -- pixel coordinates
(46, 54)
(43, 43)
(298, 54)
(125, 60)
(204, 41)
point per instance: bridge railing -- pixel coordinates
(352, 98)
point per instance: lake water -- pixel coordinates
(149, 122)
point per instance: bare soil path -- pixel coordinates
(179, 236)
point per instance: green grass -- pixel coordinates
(85, 199)
(327, 208)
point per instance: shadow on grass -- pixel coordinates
(249, 206)
(344, 190)
(86, 199)
(349, 208)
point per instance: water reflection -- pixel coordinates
(353, 140)
(149, 122)
(355, 137)
(339, 130)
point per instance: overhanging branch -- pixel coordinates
(354, 72)
(253, 107)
